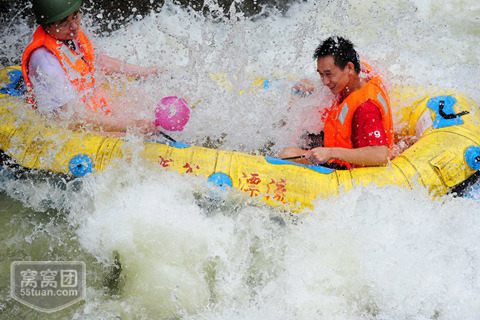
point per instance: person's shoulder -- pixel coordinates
(367, 111)
(367, 106)
(44, 59)
(42, 54)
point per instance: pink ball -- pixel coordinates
(172, 113)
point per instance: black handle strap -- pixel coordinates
(441, 105)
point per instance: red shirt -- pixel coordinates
(367, 127)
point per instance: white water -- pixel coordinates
(371, 252)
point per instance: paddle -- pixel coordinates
(167, 136)
(299, 157)
(291, 158)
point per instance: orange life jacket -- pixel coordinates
(338, 122)
(78, 67)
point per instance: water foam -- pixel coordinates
(370, 252)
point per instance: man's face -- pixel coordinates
(67, 28)
(332, 76)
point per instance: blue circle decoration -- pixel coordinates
(80, 165)
(220, 179)
(472, 156)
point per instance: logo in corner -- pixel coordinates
(48, 286)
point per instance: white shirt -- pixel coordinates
(51, 86)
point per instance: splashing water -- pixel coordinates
(156, 247)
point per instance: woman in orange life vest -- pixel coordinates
(59, 66)
(358, 126)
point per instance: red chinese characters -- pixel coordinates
(276, 190)
(190, 167)
(250, 183)
(165, 162)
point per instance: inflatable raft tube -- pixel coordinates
(446, 155)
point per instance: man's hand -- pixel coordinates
(304, 87)
(145, 126)
(319, 155)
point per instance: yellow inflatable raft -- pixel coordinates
(446, 154)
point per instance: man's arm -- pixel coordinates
(366, 156)
(111, 65)
(80, 117)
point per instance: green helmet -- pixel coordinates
(48, 11)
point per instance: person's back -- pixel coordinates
(53, 89)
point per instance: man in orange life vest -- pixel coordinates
(358, 126)
(59, 70)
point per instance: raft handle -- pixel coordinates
(444, 115)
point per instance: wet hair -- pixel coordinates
(341, 50)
